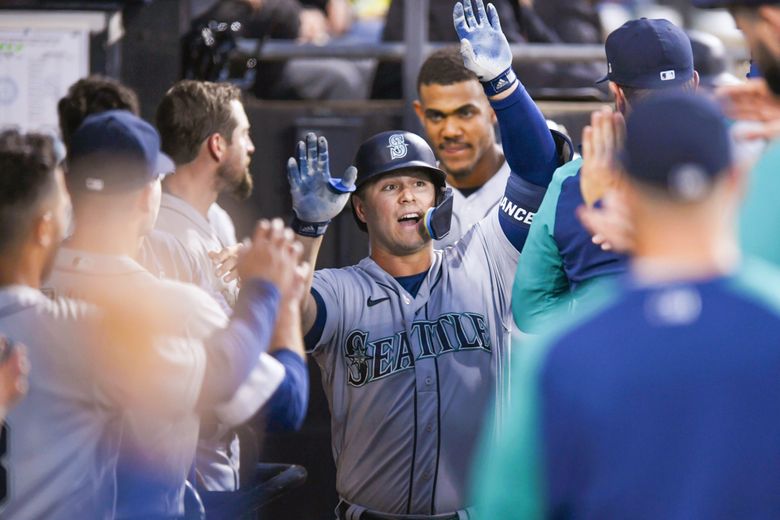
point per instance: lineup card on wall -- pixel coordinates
(36, 68)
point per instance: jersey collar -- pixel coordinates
(174, 204)
(384, 278)
(84, 262)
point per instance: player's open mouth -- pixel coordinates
(410, 219)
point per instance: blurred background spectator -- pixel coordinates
(305, 21)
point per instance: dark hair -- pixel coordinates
(444, 67)
(635, 95)
(27, 164)
(93, 95)
(190, 112)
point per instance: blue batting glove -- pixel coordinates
(317, 197)
(484, 48)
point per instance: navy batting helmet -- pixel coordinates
(392, 151)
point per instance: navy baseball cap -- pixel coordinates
(111, 139)
(709, 4)
(648, 54)
(678, 142)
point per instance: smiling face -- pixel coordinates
(392, 207)
(459, 124)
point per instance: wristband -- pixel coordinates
(309, 229)
(499, 84)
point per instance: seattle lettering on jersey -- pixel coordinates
(369, 361)
(517, 212)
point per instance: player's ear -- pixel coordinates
(215, 146)
(621, 103)
(45, 229)
(360, 207)
(149, 199)
(771, 15)
(418, 109)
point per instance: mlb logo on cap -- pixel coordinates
(667, 75)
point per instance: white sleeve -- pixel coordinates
(253, 393)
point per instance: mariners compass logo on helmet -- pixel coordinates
(398, 146)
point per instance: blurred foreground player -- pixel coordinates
(61, 442)
(114, 173)
(759, 20)
(560, 265)
(662, 402)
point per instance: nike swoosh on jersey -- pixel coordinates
(371, 302)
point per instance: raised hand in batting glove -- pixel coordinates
(483, 46)
(317, 197)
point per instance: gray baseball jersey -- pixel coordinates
(158, 447)
(467, 211)
(62, 440)
(409, 379)
(222, 224)
(199, 237)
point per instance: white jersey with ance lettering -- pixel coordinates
(467, 211)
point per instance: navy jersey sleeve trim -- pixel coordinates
(517, 208)
(286, 410)
(529, 146)
(315, 332)
(232, 352)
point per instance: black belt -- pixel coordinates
(341, 513)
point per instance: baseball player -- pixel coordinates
(660, 403)
(460, 125)
(114, 207)
(759, 20)
(560, 263)
(160, 253)
(412, 342)
(205, 130)
(60, 444)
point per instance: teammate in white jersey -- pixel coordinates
(204, 128)
(459, 124)
(115, 206)
(413, 342)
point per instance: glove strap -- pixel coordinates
(309, 229)
(499, 84)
